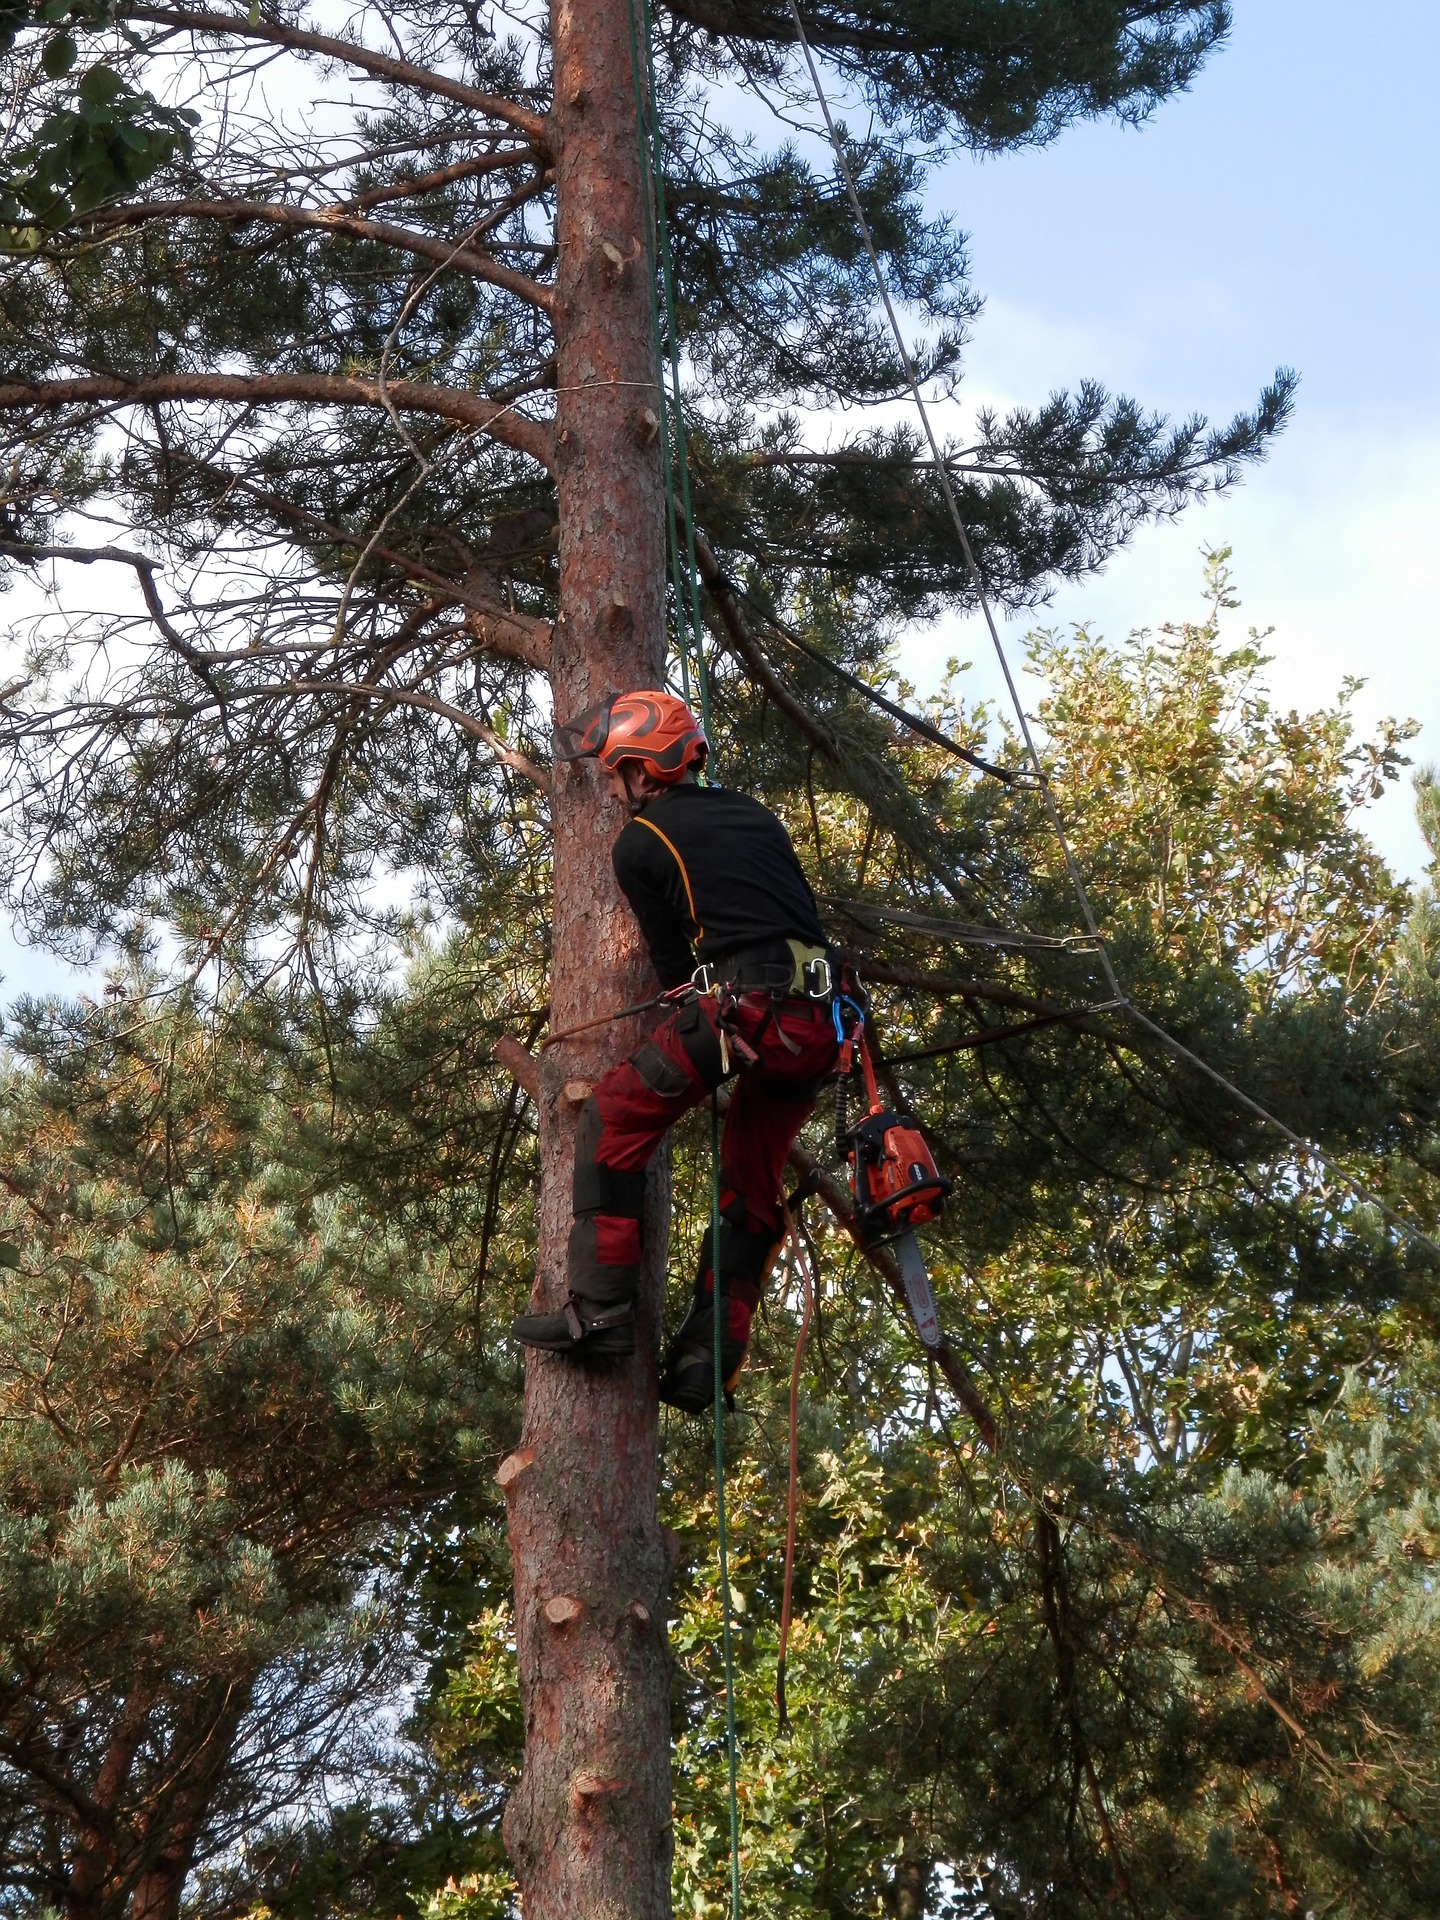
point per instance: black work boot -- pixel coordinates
(687, 1373)
(597, 1320)
(588, 1329)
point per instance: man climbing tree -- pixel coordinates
(377, 388)
(709, 875)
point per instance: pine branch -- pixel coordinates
(499, 629)
(503, 424)
(384, 66)
(502, 160)
(462, 257)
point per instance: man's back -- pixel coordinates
(708, 872)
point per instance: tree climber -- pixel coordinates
(712, 878)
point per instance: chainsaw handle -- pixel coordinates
(939, 1186)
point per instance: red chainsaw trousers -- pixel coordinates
(636, 1103)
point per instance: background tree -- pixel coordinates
(227, 1381)
(305, 350)
(1170, 1632)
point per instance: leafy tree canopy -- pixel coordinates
(1172, 1632)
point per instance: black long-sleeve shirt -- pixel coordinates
(707, 872)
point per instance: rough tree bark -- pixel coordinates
(588, 1826)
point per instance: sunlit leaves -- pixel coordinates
(109, 140)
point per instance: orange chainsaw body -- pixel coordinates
(897, 1184)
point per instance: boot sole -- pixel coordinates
(612, 1344)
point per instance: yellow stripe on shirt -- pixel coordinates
(641, 821)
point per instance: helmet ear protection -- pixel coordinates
(650, 727)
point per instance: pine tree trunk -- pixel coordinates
(93, 1864)
(588, 1826)
(910, 1890)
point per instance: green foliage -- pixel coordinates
(1213, 1372)
(1255, 1684)
(1001, 74)
(1174, 1634)
(106, 142)
(1187, 1598)
(227, 1381)
(229, 257)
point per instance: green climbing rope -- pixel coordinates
(667, 281)
(651, 251)
(731, 1743)
(687, 611)
(657, 240)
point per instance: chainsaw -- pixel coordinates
(897, 1188)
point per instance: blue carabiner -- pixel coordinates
(844, 1000)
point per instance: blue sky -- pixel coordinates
(1282, 212)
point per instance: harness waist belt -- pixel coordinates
(790, 969)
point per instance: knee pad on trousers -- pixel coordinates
(598, 1188)
(591, 1269)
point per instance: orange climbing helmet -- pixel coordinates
(650, 727)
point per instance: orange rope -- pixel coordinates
(802, 1263)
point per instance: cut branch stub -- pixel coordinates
(563, 1609)
(517, 1059)
(512, 1466)
(596, 1786)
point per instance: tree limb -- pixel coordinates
(465, 259)
(742, 644)
(499, 629)
(517, 1059)
(385, 66)
(145, 571)
(500, 161)
(477, 410)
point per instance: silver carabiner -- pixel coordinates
(820, 966)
